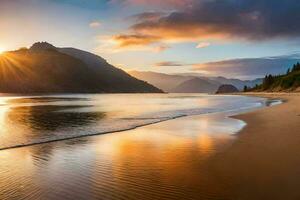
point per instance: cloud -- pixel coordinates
(135, 40)
(147, 16)
(95, 24)
(169, 64)
(248, 67)
(203, 45)
(108, 44)
(161, 48)
(252, 20)
(169, 4)
(244, 68)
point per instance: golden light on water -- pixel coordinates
(3, 114)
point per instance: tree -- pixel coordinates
(245, 88)
(268, 81)
(296, 67)
(288, 71)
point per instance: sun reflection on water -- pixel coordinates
(151, 161)
(4, 109)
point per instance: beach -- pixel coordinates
(149, 100)
(263, 163)
(254, 155)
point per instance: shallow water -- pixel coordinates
(38, 119)
(160, 161)
(167, 160)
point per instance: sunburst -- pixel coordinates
(2, 49)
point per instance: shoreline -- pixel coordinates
(263, 162)
(227, 114)
(212, 156)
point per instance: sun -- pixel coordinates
(2, 49)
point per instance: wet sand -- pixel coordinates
(264, 162)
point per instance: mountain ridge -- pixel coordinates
(168, 82)
(43, 68)
(196, 85)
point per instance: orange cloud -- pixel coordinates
(218, 20)
(135, 40)
(180, 31)
(152, 35)
(121, 43)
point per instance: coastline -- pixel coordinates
(263, 162)
(146, 122)
(213, 156)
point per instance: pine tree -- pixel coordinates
(296, 67)
(268, 81)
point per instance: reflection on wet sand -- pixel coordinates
(161, 161)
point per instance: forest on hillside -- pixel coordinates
(290, 81)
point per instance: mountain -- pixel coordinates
(169, 82)
(286, 82)
(46, 69)
(91, 60)
(222, 80)
(196, 85)
(226, 89)
(165, 82)
(239, 84)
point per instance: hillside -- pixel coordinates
(46, 69)
(286, 82)
(171, 82)
(196, 85)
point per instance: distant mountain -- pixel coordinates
(223, 89)
(169, 82)
(196, 85)
(239, 84)
(46, 69)
(165, 82)
(222, 80)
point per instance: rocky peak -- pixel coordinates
(42, 46)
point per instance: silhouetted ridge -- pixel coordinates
(46, 69)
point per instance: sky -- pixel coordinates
(233, 38)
